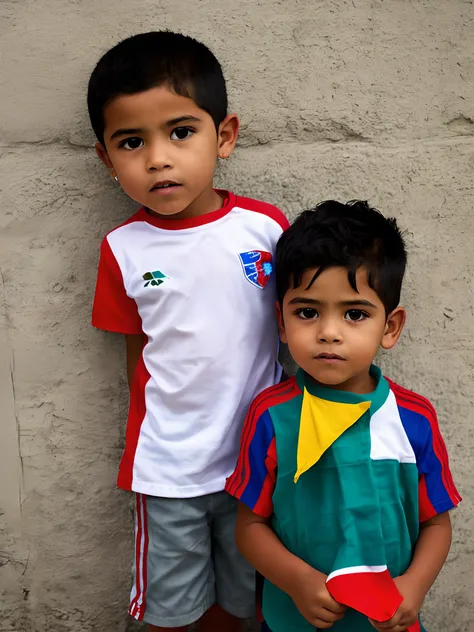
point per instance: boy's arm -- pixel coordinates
(431, 551)
(253, 483)
(430, 554)
(305, 585)
(134, 346)
(437, 495)
(114, 310)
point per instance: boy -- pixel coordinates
(188, 280)
(343, 477)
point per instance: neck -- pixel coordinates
(360, 384)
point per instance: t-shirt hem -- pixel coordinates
(167, 491)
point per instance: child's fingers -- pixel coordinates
(323, 622)
(333, 606)
(378, 626)
(325, 619)
(395, 624)
(329, 615)
(319, 624)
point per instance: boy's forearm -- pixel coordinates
(431, 551)
(266, 553)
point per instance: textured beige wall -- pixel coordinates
(338, 98)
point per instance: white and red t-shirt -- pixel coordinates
(202, 292)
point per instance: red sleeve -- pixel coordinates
(265, 209)
(277, 216)
(254, 478)
(437, 492)
(113, 310)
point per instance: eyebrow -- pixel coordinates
(312, 301)
(187, 118)
(125, 132)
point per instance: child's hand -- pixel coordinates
(407, 613)
(313, 600)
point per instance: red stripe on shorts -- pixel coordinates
(138, 604)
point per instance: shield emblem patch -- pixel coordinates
(257, 266)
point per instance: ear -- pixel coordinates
(281, 323)
(393, 328)
(104, 156)
(227, 135)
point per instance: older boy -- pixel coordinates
(343, 476)
(188, 280)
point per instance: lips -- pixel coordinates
(329, 357)
(163, 185)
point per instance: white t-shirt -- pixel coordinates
(202, 292)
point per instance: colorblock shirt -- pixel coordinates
(354, 512)
(201, 290)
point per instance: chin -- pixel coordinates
(326, 381)
(166, 210)
(329, 379)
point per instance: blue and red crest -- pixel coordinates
(257, 265)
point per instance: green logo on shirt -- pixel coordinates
(154, 278)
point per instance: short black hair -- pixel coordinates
(351, 236)
(153, 59)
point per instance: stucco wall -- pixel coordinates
(338, 98)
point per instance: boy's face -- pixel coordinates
(334, 332)
(163, 149)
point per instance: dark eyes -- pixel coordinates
(135, 142)
(355, 315)
(181, 133)
(132, 143)
(307, 313)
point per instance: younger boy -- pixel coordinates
(343, 476)
(188, 280)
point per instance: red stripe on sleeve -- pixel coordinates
(269, 397)
(422, 406)
(425, 507)
(264, 505)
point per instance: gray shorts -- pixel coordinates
(186, 560)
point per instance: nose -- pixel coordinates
(157, 157)
(329, 331)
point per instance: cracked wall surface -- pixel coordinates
(338, 99)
